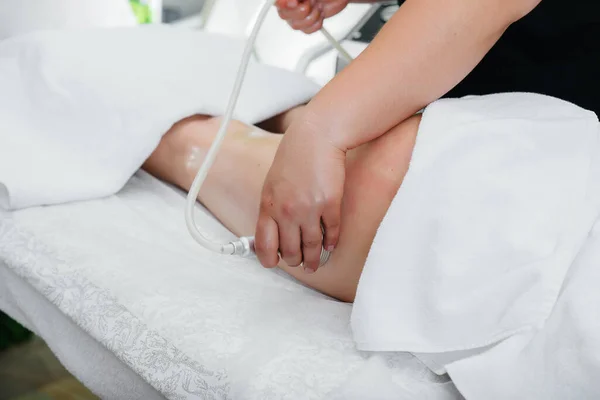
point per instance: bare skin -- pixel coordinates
(374, 173)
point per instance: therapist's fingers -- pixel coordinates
(297, 12)
(312, 243)
(309, 21)
(308, 15)
(313, 28)
(333, 7)
(287, 3)
(266, 241)
(290, 244)
(331, 224)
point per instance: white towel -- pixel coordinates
(499, 199)
(80, 110)
(559, 361)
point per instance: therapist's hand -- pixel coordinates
(302, 193)
(308, 15)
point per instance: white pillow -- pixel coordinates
(24, 16)
(81, 110)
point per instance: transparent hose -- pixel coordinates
(244, 246)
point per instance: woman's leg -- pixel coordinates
(232, 190)
(280, 123)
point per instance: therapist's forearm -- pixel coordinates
(426, 49)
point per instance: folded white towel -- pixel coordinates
(559, 361)
(499, 199)
(82, 109)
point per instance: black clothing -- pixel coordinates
(554, 50)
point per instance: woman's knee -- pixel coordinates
(374, 176)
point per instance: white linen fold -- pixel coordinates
(499, 200)
(80, 110)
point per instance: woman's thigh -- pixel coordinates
(374, 173)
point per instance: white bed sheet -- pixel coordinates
(190, 323)
(96, 367)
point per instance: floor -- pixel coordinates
(31, 372)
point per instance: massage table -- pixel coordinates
(136, 310)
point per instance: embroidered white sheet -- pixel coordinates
(80, 110)
(193, 324)
(478, 248)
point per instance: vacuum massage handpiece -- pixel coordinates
(244, 246)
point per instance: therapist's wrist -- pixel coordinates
(324, 122)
